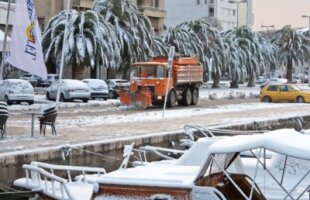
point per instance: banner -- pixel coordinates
(26, 49)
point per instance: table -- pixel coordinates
(33, 114)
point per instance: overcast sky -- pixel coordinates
(280, 13)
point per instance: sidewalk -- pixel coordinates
(100, 128)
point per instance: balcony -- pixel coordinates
(152, 11)
(85, 4)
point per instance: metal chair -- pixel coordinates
(4, 115)
(48, 118)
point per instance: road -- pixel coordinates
(79, 125)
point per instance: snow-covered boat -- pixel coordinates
(212, 169)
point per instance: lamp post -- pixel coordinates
(308, 16)
(267, 27)
(238, 2)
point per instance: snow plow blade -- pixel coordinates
(139, 98)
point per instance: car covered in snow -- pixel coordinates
(33, 79)
(98, 88)
(284, 93)
(273, 81)
(70, 90)
(115, 85)
(51, 78)
(16, 91)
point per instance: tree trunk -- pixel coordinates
(289, 70)
(251, 82)
(234, 84)
(216, 81)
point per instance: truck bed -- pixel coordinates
(184, 74)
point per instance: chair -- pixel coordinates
(48, 118)
(4, 115)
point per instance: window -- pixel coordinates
(155, 3)
(211, 11)
(272, 88)
(198, 2)
(140, 2)
(211, 1)
(206, 1)
(283, 88)
(234, 12)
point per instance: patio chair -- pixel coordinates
(4, 115)
(48, 118)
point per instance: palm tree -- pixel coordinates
(293, 48)
(235, 62)
(256, 49)
(213, 49)
(159, 48)
(91, 41)
(133, 29)
(186, 43)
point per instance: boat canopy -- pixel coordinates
(283, 141)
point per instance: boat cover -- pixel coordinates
(284, 141)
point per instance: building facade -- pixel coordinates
(227, 14)
(154, 9)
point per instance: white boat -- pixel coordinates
(215, 171)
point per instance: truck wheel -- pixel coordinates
(195, 96)
(172, 98)
(186, 97)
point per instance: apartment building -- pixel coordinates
(227, 13)
(3, 14)
(154, 9)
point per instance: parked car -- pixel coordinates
(260, 80)
(284, 93)
(33, 79)
(273, 81)
(69, 90)
(98, 88)
(115, 85)
(51, 78)
(16, 90)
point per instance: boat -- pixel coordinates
(211, 169)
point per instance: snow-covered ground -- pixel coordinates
(205, 92)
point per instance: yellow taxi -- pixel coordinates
(284, 93)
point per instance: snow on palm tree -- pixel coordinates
(133, 29)
(235, 62)
(213, 47)
(256, 50)
(293, 48)
(91, 40)
(159, 48)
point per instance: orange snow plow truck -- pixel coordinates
(149, 81)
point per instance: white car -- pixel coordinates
(273, 81)
(98, 88)
(51, 78)
(16, 90)
(115, 85)
(69, 90)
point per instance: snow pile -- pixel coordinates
(222, 93)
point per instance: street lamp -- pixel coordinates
(267, 27)
(238, 2)
(308, 16)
